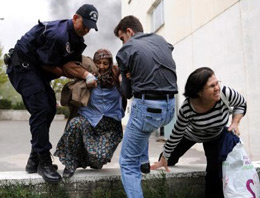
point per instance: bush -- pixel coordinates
(5, 104)
(19, 106)
(63, 110)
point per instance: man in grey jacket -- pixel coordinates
(149, 74)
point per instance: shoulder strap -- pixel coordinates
(226, 102)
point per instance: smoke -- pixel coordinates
(60, 9)
(109, 16)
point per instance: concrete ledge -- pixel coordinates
(182, 181)
(92, 175)
(91, 182)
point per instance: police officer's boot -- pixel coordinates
(32, 163)
(46, 169)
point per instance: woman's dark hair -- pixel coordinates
(129, 22)
(196, 81)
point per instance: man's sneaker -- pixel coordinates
(145, 168)
(96, 166)
(68, 173)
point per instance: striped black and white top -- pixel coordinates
(203, 127)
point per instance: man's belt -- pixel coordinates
(152, 96)
(12, 57)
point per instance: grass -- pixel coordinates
(18, 190)
(153, 188)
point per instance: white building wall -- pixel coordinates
(221, 34)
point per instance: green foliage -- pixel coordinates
(3, 76)
(6, 90)
(157, 188)
(18, 106)
(116, 190)
(5, 104)
(32, 191)
(11, 191)
(63, 110)
(58, 84)
(102, 193)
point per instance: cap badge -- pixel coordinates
(93, 15)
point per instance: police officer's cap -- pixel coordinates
(90, 16)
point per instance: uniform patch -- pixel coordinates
(68, 47)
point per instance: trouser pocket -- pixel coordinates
(152, 119)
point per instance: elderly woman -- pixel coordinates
(202, 118)
(91, 138)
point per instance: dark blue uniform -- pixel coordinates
(46, 44)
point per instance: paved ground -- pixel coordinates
(15, 146)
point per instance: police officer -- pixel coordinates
(37, 58)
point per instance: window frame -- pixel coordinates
(157, 16)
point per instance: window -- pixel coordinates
(157, 16)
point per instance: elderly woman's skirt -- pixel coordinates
(82, 145)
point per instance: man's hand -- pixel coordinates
(54, 70)
(74, 70)
(162, 163)
(128, 75)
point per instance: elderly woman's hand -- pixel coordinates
(234, 128)
(234, 124)
(162, 163)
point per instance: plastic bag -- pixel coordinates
(240, 179)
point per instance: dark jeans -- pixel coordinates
(40, 101)
(214, 188)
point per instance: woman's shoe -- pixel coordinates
(68, 173)
(97, 166)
